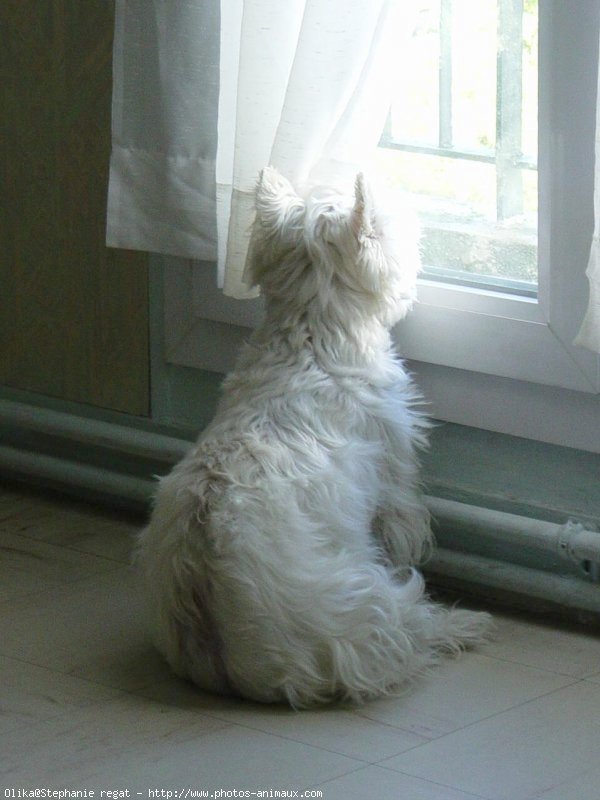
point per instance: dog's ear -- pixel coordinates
(363, 213)
(275, 196)
(278, 227)
(370, 257)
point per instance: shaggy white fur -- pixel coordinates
(279, 559)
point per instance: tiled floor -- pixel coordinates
(85, 702)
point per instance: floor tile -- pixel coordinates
(574, 652)
(67, 523)
(461, 692)
(28, 566)
(331, 728)
(384, 784)
(237, 758)
(593, 678)
(138, 744)
(93, 629)
(31, 694)
(522, 753)
(110, 537)
(583, 786)
(91, 741)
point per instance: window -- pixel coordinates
(461, 140)
(514, 335)
(492, 356)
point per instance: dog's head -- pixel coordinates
(329, 249)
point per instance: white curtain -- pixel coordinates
(312, 82)
(161, 194)
(589, 333)
(303, 85)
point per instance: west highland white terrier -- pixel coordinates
(279, 560)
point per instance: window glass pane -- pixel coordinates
(461, 139)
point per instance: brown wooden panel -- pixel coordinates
(73, 313)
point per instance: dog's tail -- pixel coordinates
(403, 635)
(360, 634)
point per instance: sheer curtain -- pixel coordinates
(161, 194)
(589, 333)
(312, 86)
(303, 85)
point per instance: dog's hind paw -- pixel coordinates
(458, 629)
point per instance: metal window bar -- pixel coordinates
(445, 76)
(509, 101)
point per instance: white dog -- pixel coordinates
(278, 560)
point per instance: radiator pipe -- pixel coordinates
(74, 475)
(93, 432)
(571, 541)
(489, 578)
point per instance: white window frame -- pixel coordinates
(483, 358)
